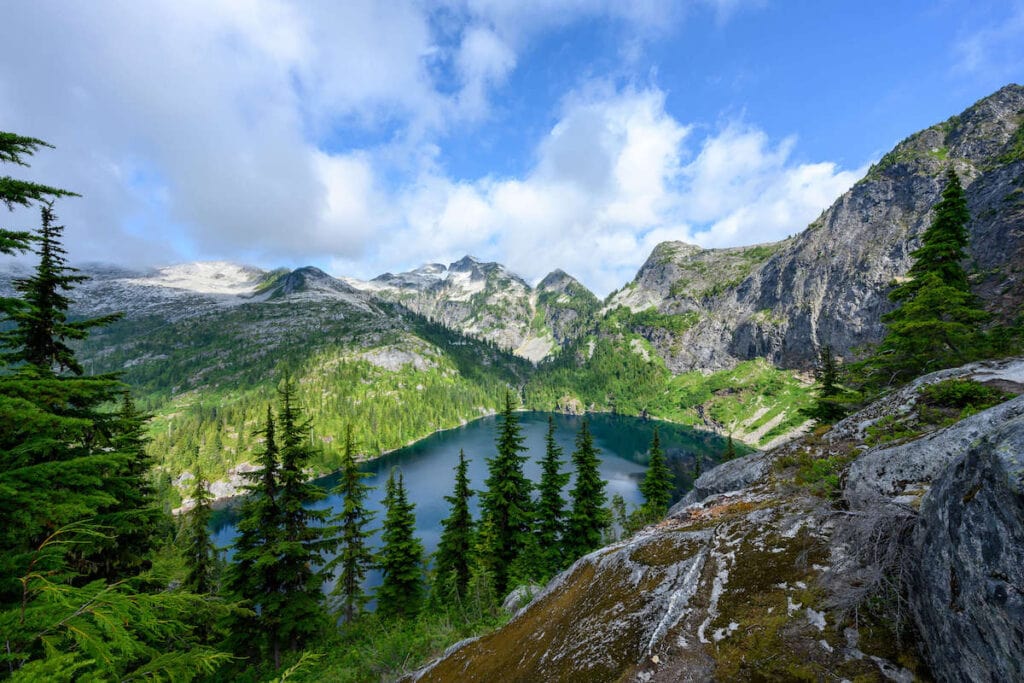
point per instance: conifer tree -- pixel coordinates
(355, 557)
(305, 536)
(589, 517)
(937, 323)
(200, 553)
(455, 556)
(41, 326)
(63, 455)
(506, 503)
(253, 574)
(551, 503)
(401, 555)
(134, 521)
(658, 482)
(827, 406)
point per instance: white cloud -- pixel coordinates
(230, 130)
(610, 182)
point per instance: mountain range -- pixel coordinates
(200, 338)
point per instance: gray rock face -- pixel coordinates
(909, 469)
(967, 594)
(830, 283)
(729, 476)
(486, 300)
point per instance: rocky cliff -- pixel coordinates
(862, 553)
(829, 284)
(486, 300)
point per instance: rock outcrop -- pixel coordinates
(829, 284)
(486, 300)
(751, 576)
(967, 592)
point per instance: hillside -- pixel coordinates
(829, 283)
(203, 345)
(486, 300)
(794, 564)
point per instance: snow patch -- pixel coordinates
(204, 277)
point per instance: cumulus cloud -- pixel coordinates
(615, 176)
(234, 130)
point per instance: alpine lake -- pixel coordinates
(428, 466)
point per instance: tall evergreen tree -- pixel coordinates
(355, 557)
(305, 536)
(454, 558)
(827, 406)
(658, 482)
(253, 574)
(135, 519)
(938, 320)
(41, 326)
(200, 553)
(401, 555)
(589, 517)
(64, 455)
(551, 503)
(506, 503)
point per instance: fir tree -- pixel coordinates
(355, 557)
(589, 517)
(506, 503)
(63, 455)
(253, 574)
(937, 323)
(658, 482)
(200, 553)
(401, 555)
(827, 406)
(455, 557)
(305, 536)
(551, 503)
(41, 327)
(134, 520)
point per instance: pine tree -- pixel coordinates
(63, 455)
(551, 503)
(937, 323)
(589, 517)
(41, 327)
(506, 503)
(658, 482)
(355, 557)
(200, 553)
(401, 555)
(135, 519)
(305, 536)
(253, 574)
(827, 406)
(455, 557)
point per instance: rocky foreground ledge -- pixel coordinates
(769, 571)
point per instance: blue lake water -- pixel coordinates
(428, 465)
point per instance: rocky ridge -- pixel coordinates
(488, 301)
(829, 284)
(758, 575)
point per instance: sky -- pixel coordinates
(365, 136)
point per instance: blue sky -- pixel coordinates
(366, 136)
